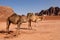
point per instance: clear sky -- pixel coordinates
(25, 6)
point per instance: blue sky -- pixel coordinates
(25, 6)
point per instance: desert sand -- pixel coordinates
(42, 30)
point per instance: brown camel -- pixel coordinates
(18, 19)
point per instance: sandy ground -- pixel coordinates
(43, 30)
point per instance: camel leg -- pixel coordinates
(7, 28)
(18, 27)
(29, 24)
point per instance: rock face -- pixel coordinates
(52, 11)
(5, 12)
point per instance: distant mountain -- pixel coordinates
(5, 12)
(52, 11)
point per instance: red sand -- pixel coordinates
(43, 30)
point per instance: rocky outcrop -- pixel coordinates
(52, 11)
(5, 12)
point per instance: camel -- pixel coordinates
(15, 19)
(33, 17)
(19, 19)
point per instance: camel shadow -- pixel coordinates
(2, 32)
(25, 28)
(11, 34)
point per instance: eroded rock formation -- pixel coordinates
(5, 12)
(52, 11)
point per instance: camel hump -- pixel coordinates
(14, 18)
